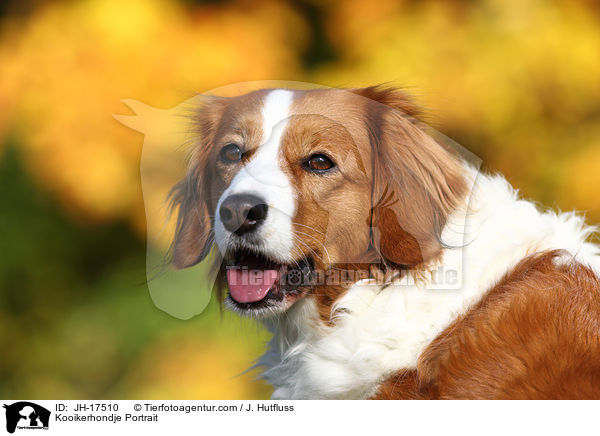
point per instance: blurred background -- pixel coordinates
(517, 82)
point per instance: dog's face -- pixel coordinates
(288, 184)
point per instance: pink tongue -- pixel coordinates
(248, 286)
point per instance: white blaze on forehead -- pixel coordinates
(275, 113)
(265, 167)
(263, 177)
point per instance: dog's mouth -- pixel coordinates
(256, 281)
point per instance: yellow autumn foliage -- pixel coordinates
(185, 368)
(63, 77)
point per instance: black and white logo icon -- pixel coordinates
(26, 415)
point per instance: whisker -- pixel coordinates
(314, 238)
(299, 240)
(311, 228)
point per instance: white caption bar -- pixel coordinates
(40, 417)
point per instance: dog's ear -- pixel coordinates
(190, 197)
(417, 183)
(193, 229)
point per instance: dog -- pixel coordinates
(332, 213)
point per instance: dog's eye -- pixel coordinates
(231, 153)
(319, 163)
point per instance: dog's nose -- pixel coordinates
(242, 213)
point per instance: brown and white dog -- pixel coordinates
(384, 264)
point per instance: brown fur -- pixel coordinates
(535, 335)
(417, 183)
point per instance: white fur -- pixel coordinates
(379, 331)
(263, 177)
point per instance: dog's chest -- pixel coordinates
(378, 332)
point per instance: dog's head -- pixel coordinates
(288, 183)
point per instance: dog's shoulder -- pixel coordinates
(535, 335)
